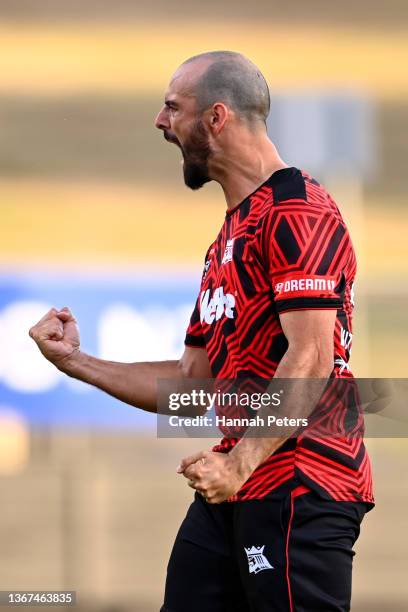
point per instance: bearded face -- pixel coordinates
(196, 151)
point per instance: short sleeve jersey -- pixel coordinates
(285, 247)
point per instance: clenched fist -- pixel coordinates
(57, 335)
(216, 476)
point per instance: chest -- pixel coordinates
(235, 273)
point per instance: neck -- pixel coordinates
(244, 168)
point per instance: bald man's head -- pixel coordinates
(231, 78)
(222, 77)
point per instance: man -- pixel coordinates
(274, 519)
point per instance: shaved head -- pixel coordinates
(233, 79)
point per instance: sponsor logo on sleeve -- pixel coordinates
(305, 284)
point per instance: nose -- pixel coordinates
(161, 121)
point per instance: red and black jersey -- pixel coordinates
(285, 247)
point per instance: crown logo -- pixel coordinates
(257, 560)
(255, 550)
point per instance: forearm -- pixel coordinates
(57, 336)
(253, 449)
(132, 383)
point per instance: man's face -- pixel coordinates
(181, 125)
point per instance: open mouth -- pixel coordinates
(171, 139)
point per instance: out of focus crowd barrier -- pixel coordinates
(127, 319)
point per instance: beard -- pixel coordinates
(196, 152)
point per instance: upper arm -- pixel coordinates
(311, 333)
(310, 258)
(194, 363)
(311, 263)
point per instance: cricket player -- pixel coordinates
(274, 519)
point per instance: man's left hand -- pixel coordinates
(216, 476)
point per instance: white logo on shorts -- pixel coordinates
(257, 560)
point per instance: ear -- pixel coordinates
(218, 117)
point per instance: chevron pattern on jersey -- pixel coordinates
(285, 247)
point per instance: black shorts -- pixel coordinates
(281, 555)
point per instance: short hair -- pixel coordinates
(233, 79)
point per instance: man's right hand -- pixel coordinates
(57, 335)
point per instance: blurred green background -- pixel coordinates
(87, 182)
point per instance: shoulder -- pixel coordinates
(295, 192)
